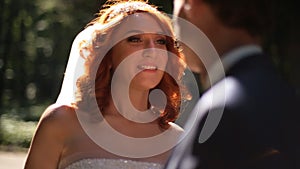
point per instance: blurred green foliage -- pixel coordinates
(35, 41)
(15, 132)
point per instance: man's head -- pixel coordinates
(227, 24)
(251, 15)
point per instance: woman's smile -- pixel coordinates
(147, 67)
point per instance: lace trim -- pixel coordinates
(96, 163)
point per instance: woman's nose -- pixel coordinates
(149, 53)
(150, 43)
(149, 49)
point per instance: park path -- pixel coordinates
(12, 160)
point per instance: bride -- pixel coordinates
(121, 93)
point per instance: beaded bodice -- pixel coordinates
(100, 163)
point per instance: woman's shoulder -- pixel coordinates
(176, 128)
(56, 112)
(53, 129)
(55, 117)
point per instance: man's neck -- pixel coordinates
(229, 59)
(230, 38)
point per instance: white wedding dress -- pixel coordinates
(96, 160)
(101, 163)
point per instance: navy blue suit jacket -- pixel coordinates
(258, 128)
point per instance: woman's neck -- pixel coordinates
(132, 104)
(139, 99)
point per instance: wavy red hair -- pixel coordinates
(98, 61)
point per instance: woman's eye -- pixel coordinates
(162, 41)
(134, 39)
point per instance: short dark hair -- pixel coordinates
(251, 15)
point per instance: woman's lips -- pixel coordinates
(146, 67)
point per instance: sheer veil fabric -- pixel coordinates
(93, 134)
(75, 67)
(145, 147)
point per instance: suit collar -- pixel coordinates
(229, 60)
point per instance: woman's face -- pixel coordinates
(142, 55)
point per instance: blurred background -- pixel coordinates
(35, 41)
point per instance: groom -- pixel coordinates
(258, 128)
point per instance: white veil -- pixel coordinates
(75, 67)
(135, 147)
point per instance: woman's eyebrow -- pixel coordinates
(135, 32)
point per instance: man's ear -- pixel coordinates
(187, 7)
(191, 6)
(194, 3)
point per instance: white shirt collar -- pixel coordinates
(228, 60)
